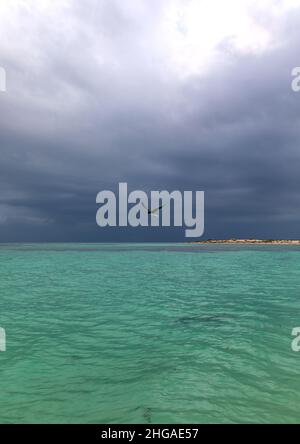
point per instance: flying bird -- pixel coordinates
(153, 212)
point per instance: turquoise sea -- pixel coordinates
(149, 333)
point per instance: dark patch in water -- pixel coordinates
(147, 415)
(201, 319)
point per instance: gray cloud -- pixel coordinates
(94, 99)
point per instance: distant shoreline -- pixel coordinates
(250, 241)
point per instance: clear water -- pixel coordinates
(149, 333)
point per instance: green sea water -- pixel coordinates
(149, 333)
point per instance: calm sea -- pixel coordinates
(149, 333)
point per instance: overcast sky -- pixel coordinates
(162, 94)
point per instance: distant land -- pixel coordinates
(251, 241)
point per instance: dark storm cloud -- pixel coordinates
(92, 101)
